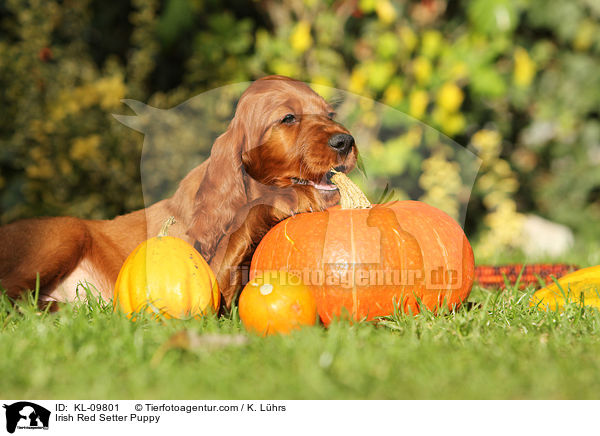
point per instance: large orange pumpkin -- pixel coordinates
(167, 276)
(362, 261)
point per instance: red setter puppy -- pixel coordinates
(272, 162)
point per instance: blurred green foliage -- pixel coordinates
(515, 80)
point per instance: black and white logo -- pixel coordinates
(26, 415)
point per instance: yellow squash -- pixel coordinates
(580, 287)
(167, 276)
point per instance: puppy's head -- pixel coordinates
(293, 138)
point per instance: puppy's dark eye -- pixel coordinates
(289, 119)
(331, 115)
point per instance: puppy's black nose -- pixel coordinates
(341, 142)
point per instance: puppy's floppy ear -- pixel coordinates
(222, 191)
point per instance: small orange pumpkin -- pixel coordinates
(276, 302)
(167, 276)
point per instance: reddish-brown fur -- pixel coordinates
(223, 206)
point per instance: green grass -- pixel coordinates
(498, 348)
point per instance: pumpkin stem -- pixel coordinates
(164, 230)
(351, 197)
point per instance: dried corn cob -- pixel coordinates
(493, 276)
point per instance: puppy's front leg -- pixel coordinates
(250, 224)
